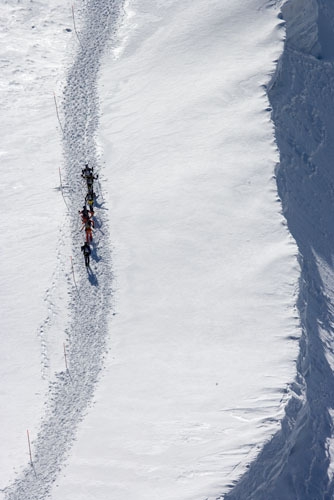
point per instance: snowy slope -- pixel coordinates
(205, 334)
(34, 249)
(191, 253)
(89, 297)
(298, 463)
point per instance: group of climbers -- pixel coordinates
(87, 214)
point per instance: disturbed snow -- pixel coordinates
(203, 345)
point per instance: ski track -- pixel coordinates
(71, 392)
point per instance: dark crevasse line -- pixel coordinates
(294, 464)
(72, 392)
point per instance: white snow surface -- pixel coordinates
(204, 335)
(34, 246)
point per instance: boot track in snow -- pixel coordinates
(72, 392)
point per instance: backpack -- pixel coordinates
(85, 249)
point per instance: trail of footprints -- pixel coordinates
(72, 390)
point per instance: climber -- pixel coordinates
(84, 214)
(86, 171)
(88, 227)
(86, 251)
(90, 198)
(90, 181)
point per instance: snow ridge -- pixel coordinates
(72, 391)
(296, 463)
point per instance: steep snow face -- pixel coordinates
(302, 25)
(302, 98)
(204, 340)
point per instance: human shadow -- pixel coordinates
(92, 277)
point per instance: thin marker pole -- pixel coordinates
(31, 462)
(67, 370)
(61, 183)
(61, 189)
(75, 28)
(65, 356)
(74, 277)
(54, 97)
(30, 454)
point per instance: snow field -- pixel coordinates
(90, 295)
(202, 273)
(298, 462)
(34, 244)
(204, 341)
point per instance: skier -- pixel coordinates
(84, 214)
(90, 181)
(88, 226)
(90, 198)
(86, 251)
(86, 171)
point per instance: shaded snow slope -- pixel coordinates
(204, 341)
(298, 463)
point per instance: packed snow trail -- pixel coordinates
(90, 299)
(196, 232)
(297, 464)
